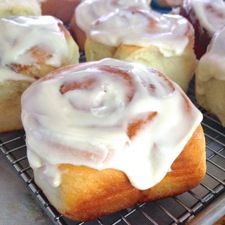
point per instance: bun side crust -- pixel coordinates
(10, 110)
(88, 193)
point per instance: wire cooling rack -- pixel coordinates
(176, 210)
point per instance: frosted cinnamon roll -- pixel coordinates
(30, 47)
(90, 10)
(207, 17)
(210, 77)
(164, 42)
(102, 136)
(19, 8)
(62, 9)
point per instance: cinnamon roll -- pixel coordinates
(164, 42)
(30, 47)
(102, 136)
(90, 10)
(63, 9)
(207, 17)
(210, 77)
(19, 8)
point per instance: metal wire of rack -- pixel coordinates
(176, 211)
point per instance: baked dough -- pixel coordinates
(125, 134)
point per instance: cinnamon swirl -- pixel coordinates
(102, 136)
(30, 47)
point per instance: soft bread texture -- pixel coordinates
(11, 90)
(210, 93)
(179, 68)
(19, 8)
(62, 9)
(85, 193)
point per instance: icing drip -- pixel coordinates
(21, 35)
(85, 115)
(142, 28)
(90, 10)
(119, 23)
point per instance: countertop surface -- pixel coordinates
(17, 207)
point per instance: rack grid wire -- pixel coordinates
(176, 210)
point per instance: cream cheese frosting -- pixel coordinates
(170, 33)
(211, 14)
(20, 34)
(114, 23)
(82, 115)
(90, 10)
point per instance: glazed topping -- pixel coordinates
(214, 58)
(211, 14)
(107, 114)
(89, 11)
(25, 41)
(170, 33)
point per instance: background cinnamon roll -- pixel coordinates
(210, 77)
(90, 10)
(207, 17)
(169, 3)
(164, 42)
(30, 47)
(62, 9)
(19, 8)
(102, 136)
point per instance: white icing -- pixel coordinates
(211, 14)
(90, 10)
(8, 74)
(88, 126)
(20, 34)
(170, 33)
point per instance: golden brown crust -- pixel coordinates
(88, 193)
